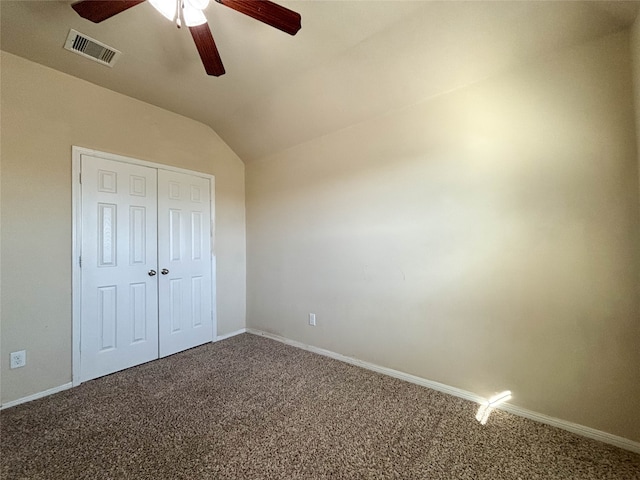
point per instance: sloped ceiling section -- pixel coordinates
(351, 61)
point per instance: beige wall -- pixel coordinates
(44, 113)
(487, 239)
(635, 61)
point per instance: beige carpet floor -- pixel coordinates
(252, 408)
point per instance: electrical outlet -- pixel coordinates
(312, 319)
(18, 359)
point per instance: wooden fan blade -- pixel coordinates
(267, 12)
(207, 49)
(99, 10)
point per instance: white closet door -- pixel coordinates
(119, 326)
(184, 259)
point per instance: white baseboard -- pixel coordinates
(457, 392)
(576, 428)
(231, 334)
(35, 396)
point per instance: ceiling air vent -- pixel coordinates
(88, 47)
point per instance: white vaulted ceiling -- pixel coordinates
(351, 61)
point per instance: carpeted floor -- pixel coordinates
(252, 408)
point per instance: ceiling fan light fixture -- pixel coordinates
(192, 16)
(166, 7)
(190, 12)
(198, 4)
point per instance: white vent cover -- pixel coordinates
(88, 47)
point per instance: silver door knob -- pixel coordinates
(152, 273)
(164, 271)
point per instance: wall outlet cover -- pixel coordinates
(18, 359)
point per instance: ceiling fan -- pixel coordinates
(191, 13)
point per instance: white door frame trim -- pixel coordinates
(76, 242)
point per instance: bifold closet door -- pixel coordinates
(119, 306)
(184, 259)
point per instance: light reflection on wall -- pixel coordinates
(487, 407)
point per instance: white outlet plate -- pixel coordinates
(18, 359)
(312, 319)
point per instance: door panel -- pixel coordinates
(119, 307)
(184, 246)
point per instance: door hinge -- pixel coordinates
(80, 177)
(80, 261)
